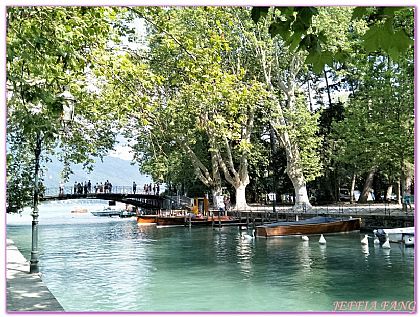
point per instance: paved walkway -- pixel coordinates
(346, 209)
(25, 291)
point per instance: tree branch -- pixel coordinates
(200, 170)
(163, 31)
(225, 169)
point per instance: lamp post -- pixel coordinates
(68, 107)
(272, 195)
(66, 117)
(33, 267)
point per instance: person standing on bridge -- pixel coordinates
(89, 186)
(75, 188)
(134, 187)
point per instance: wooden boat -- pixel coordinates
(79, 210)
(315, 225)
(215, 220)
(184, 220)
(147, 219)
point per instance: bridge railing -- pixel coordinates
(331, 210)
(71, 190)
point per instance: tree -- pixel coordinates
(202, 105)
(49, 52)
(377, 133)
(279, 72)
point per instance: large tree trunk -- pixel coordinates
(295, 173)
(216, 191)
(388, 193)
(279, 124)
(407, 184)
(367, 188)
(240, 197)
(399, 198)
(353, 184)
(238, 178)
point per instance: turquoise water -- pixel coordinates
(96, 264)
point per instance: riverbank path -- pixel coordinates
(26, 291)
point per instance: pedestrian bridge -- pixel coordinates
(122, 194)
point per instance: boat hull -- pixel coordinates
(183, 221)
(309, 228)
(106, 213)
(397, 235)
(147, 219)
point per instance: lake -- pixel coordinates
(110, 264)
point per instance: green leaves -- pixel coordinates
(378, 125)
(360, 12)
(384, 37)
(385, 32)
(318, 60)
(258, 12)
(49, 50)
(294, 25)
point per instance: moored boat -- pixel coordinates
(397, 235)
(147, 219)
(79, 210)
(127, 214)
(110, 212)
(107, 212)
(184, 220)
(215, 220)
(315, 225)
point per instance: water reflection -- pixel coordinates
(120, 266)
(305, 256)
(365, 249)
(221, 250)
(387, 253)
(244, 251)
(323, 249)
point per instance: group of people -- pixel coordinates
(86, 187)
(223, 204)
(103, 188)
(82, 188)
(148, 189)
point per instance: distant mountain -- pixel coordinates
(119, 172)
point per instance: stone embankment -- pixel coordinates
(26, 292)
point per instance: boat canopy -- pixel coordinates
(314, 220)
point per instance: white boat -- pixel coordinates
(107, 212)
(397, 235)
(408, 240)
(112, 212)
